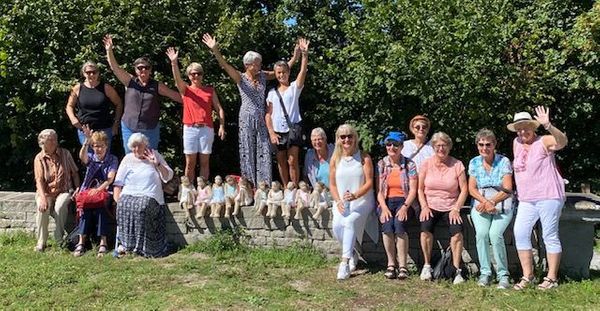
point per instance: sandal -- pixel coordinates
(79, 250)
(548, 284)
(102, 250)
(523, 283)
(390, 273)
(402, 273)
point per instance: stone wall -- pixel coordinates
(17, 212)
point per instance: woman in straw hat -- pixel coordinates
(541, 192)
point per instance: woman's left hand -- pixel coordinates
(542, 115)
(349, 196)
(303, 44)
(150, 155)
(455, 218)
(87, 132)
(222, 133)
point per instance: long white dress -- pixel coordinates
(350, 226)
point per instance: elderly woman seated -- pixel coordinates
(55, 178)
(140, 200)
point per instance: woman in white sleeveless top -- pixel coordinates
(351, 184)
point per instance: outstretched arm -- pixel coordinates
(557, 140)
(270, 74)
(173, 54)
(213, 45)
(121, 74)
(303, 45)
(164, 90)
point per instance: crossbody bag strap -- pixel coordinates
(417, 152)
(287, 117)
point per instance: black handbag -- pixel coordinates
(295, 132)
(444, 269)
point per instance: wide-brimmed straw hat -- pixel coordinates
(522, 118)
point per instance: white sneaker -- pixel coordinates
(426, 273)
(343, 271)
(458, 278)
(353, 261)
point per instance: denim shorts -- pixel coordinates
(393, 225)
(198, 139)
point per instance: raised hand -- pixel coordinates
(172, 54)
(108, 42)
(303, 44)
(210, 41)
(150, 155)
(542, 114)
(87, 132)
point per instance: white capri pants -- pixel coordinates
(198, 139)
(345, 226)
(548, 212)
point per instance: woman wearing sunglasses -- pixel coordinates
(418, 149)
(397, 189)
(490, 185)
(142, 105)
(351, 184)
(199, 101)
(89, 104)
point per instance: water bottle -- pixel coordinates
(346, 204)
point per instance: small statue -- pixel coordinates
(274, 199)
(186, 195)
(203, 197)
(319, 199)
(218, 198)
(302, 199)
(244, 195)
(230, 193)
(260, 197)
(289, 196)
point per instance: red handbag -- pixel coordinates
(85, 200)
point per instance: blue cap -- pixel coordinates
(395, 136)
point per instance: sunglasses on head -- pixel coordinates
(395, 144)
(140, 68)
(484, 144)
(349, 136)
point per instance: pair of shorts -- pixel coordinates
(283, 141)
(427, 226)
(198, 139)
(393, 225)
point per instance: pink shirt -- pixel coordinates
(535, 172)
(441, 183)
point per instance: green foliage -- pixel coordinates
(466, 64)
(224, 243)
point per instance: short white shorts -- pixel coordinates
(198, 139)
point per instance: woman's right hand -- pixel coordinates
(274, 138)
(172, 54)
(385, 214)
(340, 206)
(210, 41)
(108, 43)
(426, 214)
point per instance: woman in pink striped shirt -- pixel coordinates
(541, 192)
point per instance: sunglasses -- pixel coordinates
(195, 74)
(484, 145)
(395, 144)
(91, 72)
(420, 127)
(140, 68)
(349, 136)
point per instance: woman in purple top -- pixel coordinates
(541, 192)
(142, 106)
(254, 144)
(100, 174)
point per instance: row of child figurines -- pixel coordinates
(232, 195)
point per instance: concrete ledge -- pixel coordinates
(580, 215)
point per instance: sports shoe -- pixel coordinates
(503, 283)
(343, 271)
(458, 278)
(426, 273)
(484, 280)
(353, 261)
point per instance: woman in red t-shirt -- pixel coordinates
(198, 103)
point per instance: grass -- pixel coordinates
(224, 273)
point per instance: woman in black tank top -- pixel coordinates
(89, 104)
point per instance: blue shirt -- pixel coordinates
(323, 173)
(500, 167)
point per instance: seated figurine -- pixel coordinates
(203, 197)
(320, 199)
(244, 195)
(289, 196)
(218, 198)
(302, 199)
(260, 198)
(274, 199)
(230, 193)
(186, 195)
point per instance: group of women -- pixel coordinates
(416, 179)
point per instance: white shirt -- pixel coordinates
(290, 98)
(425, 153)
(142, 178)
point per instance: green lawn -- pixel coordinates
(220, 274)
